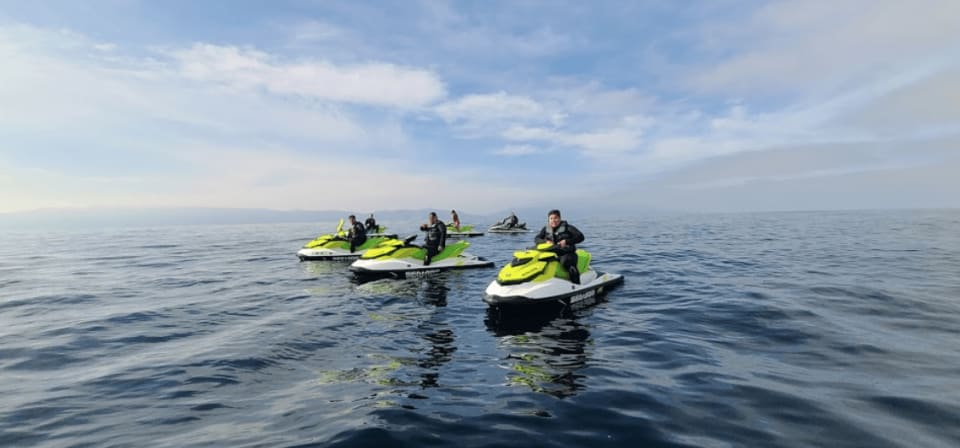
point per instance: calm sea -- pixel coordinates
(778, 329)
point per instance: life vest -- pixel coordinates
(559, 233)
(435, 233)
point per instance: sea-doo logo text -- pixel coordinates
(583, 295)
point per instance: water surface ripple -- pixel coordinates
(775, 329)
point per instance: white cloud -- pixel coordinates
(589, 119)
(518, 150)
(379, 84)
(605, 141)
(594, 143)
(797, 46)
(80, 96)
(484, 109)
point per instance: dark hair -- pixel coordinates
(434, 214)
(453, 211)
(352, 217)
(554, 212)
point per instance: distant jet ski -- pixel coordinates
(510, 224)
(336, 246)
(502, 227)
(465, 231)
(535, 276)
(397, 258)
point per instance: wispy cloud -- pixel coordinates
(820, 47)
(378, 84)
(518, 150)
(477, 111)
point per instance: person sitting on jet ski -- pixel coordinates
(370, 224)
(510, 221)
(357, 234)
(565, 238)
(455, 219)
(436, 237)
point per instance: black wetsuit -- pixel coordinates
(568, 254)
(371, 225)
(358, 236)
(435, 241)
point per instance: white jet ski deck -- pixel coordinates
(398, 258)
(535, 277)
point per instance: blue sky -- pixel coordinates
(480, 106)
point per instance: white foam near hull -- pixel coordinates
(554, 290)
(405, 265)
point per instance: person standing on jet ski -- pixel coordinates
(370, 224)
(565, 238)
(357, 234)
(455, 219)
(436, 237)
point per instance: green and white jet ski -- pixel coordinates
(336, 246)
(399, 257)
(380, 231)
(535, 276)
(465, 231)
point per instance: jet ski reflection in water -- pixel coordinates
(555, 271)
(549, 353)
(510, 224)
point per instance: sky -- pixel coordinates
(480, 106)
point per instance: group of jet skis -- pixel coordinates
(547, 273)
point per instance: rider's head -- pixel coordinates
(553, 217)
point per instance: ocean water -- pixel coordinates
(776, 329)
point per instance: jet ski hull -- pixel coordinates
(514, 230)
(463, 234)
(552, 291)
(502, 227)
(398, 266)
(331, 247)
(328, 254)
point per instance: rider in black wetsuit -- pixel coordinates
(436, 237)
(370, 224)
(565, 237)
(357, 234)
